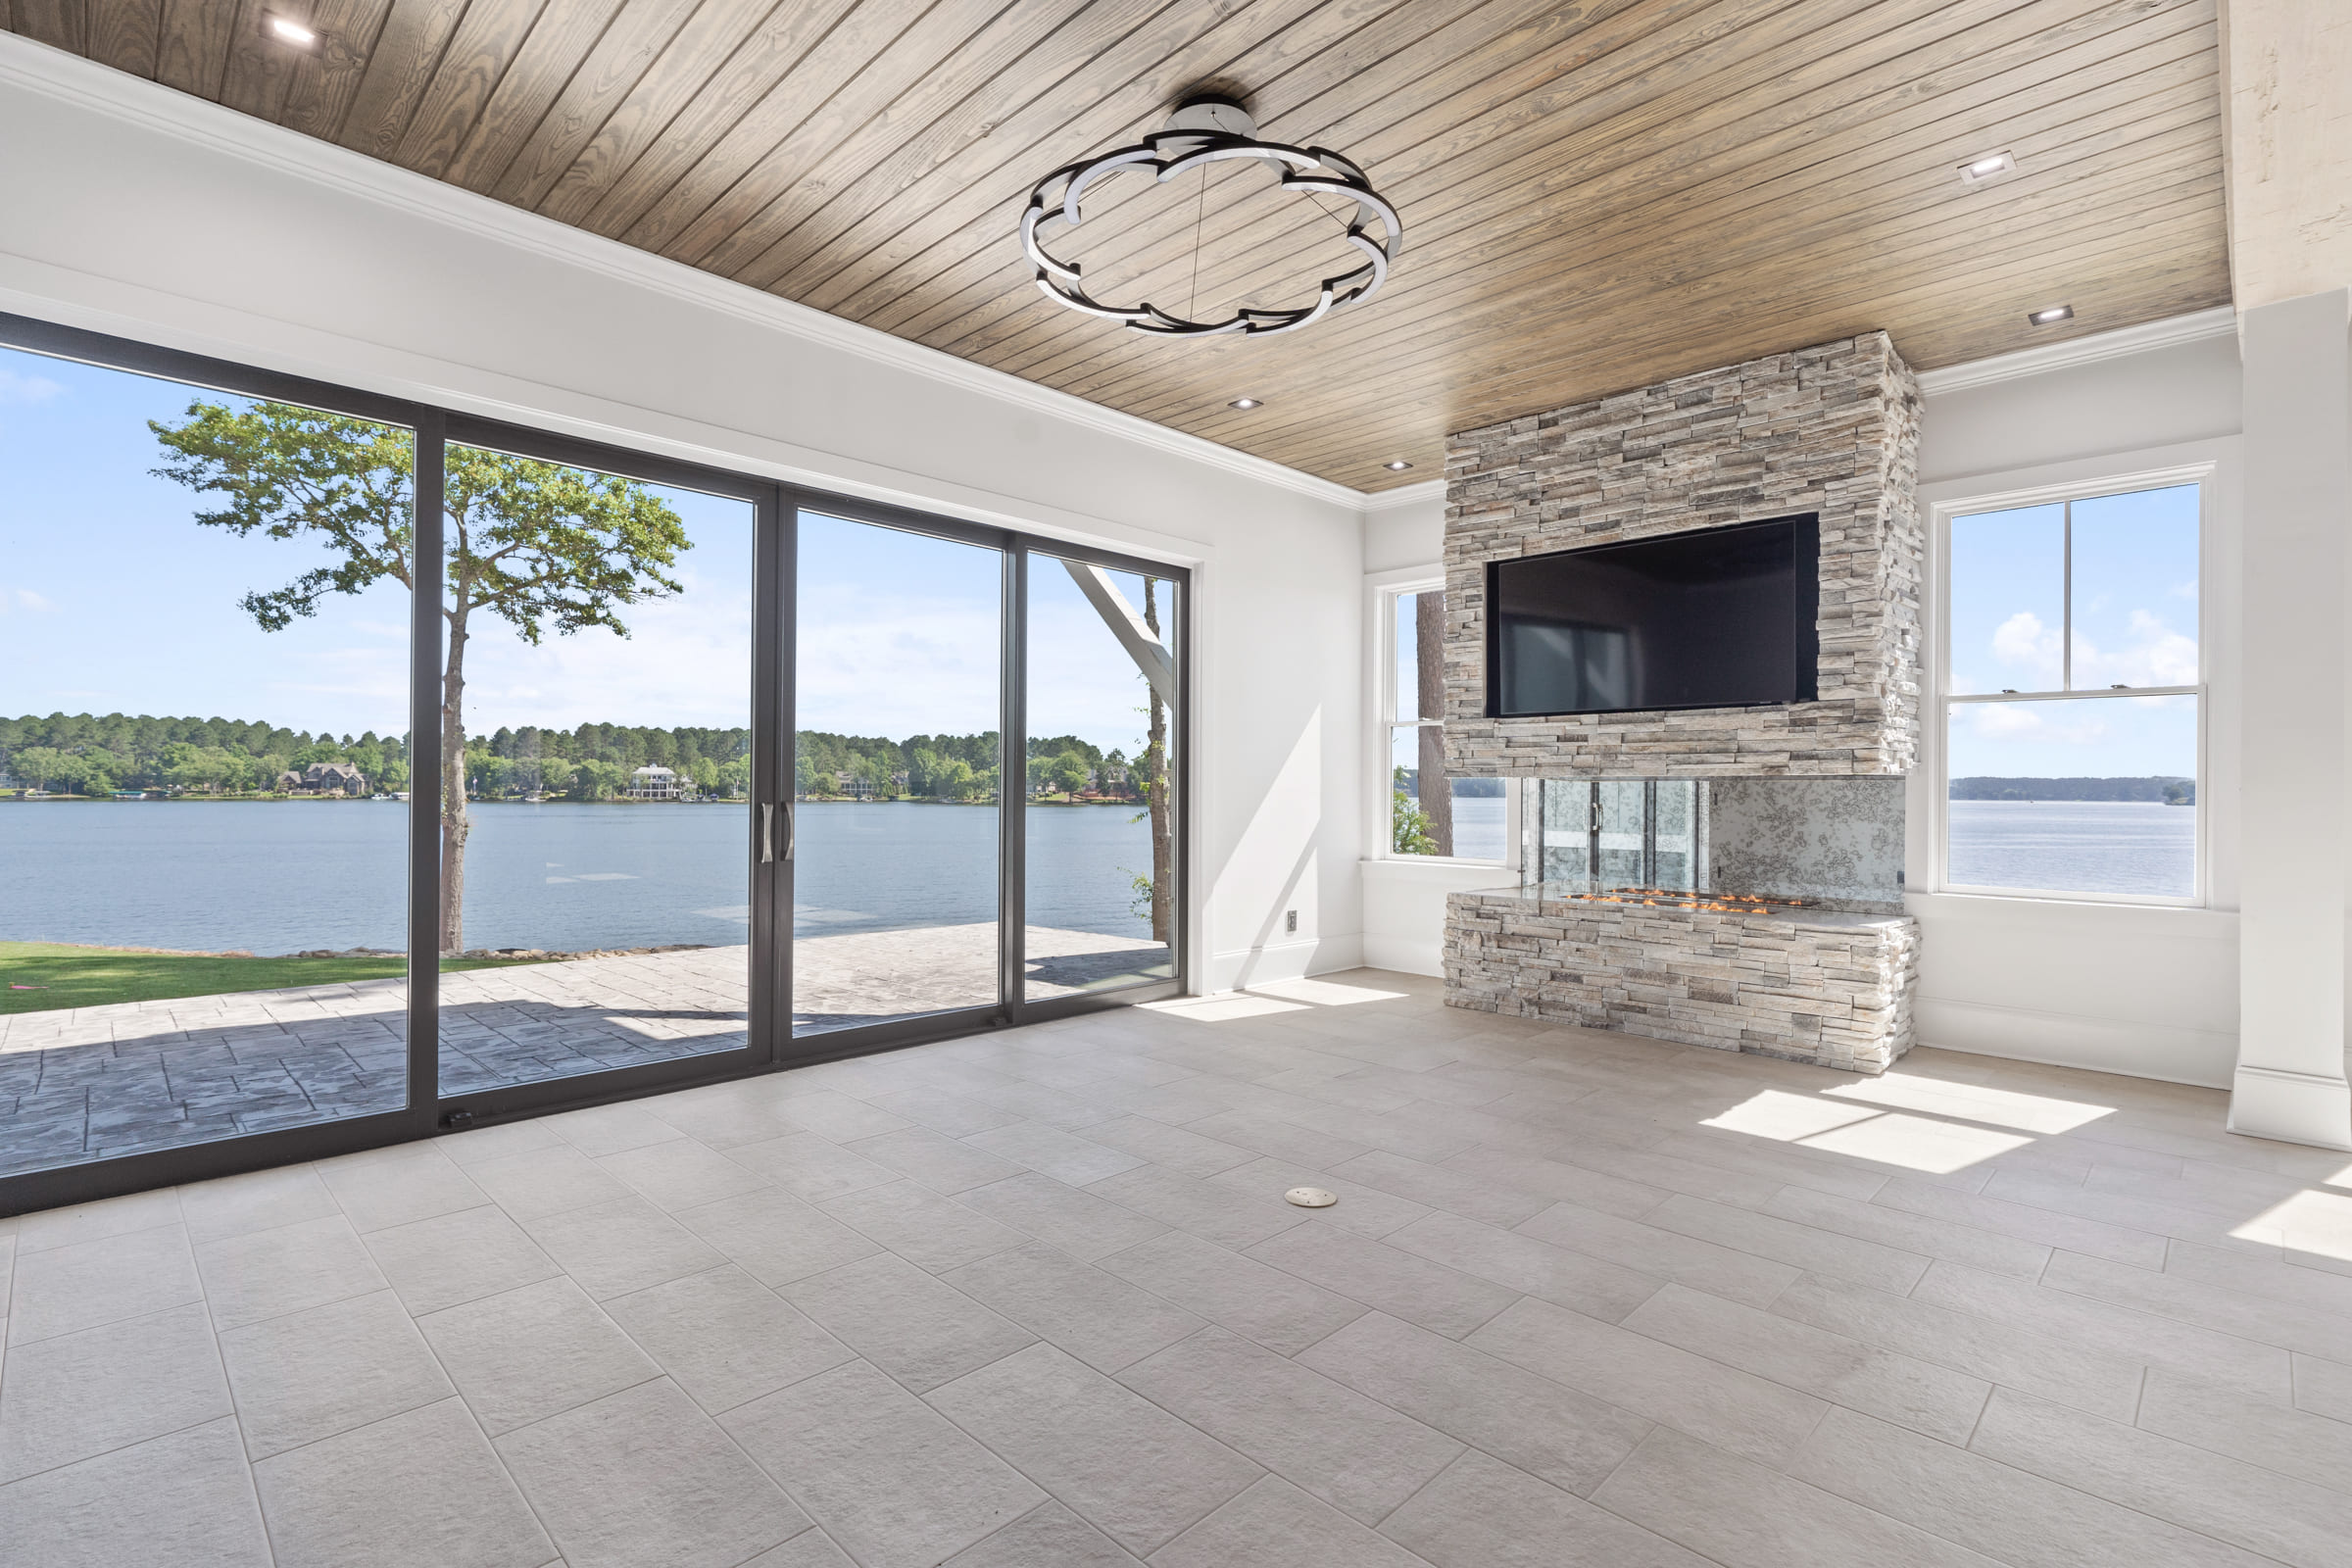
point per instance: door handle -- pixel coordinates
(767, 834)
(792, 830)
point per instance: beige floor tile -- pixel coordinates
(1048, 1536)
(810, 1166)
(1051, 1152)
(2113, 1330)
(1172, 1148)
(1546, 1429)
(383, 1188)
(841, 1117)
(1356, 1454)
(810, 1548)
(1097, 1317)
(1063, 1217)
(681, 1174)
(1119, 1461)
(724, 1115)
(1275, 1525)
(2075, 1233)
(2257, 1508)
(1992, 1507)
(1275, 1308)
(1366, 1211)
(531, 1352)
(73, 1396)
(943, 1111)
(941, 1163)
(1916, 1234)
(2294, 1442)
(263, 1274)
(1578, 1281)
(1402, 1284)
(774, 1237)
(727, 1339)
(1744, 1515)
(2323, 1387)
(539, 1182)
(106, 1279)
(315, 1373)
(644, 1479)
(622, 1245)
(1229, 1216)
(905, 1321)
(257, 1201)
(2046, 1364)
(1737, 1410)
(452, 1259)
(2296, 1325)
(1489, 1201)
(1482, 1513)
(419, 1487)
(887, 1477)
(185, 1499)
(1897, 1388)
(609, 1129)
(1730, 1272)
(89, 1222)
(474, 1147)
(920, 1226)
(1804, 1247)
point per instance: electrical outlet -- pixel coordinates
(1290, 923)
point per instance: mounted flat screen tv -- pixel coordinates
(1716, 617)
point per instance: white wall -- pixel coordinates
(130, 209)
(2151, 992)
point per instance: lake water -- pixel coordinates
(282, 876)
(2074, 845)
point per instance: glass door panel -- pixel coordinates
(1101, 889)
(203, 751)
(1618, 839)
(898, 703)
(595, 794)
(1564, 838)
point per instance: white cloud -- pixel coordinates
(2023, 642)
(13, 599)
(2155, 655)
(2022, 721)
(18, 387)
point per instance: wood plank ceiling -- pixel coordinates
(1596, 193)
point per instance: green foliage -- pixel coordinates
(64, 976)
(1409, 831)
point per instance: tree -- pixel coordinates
(1158, 802)
(1069, 773)
(1408, 824)
(1429, 687)
(535, 545)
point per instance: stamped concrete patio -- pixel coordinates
(92, 1083)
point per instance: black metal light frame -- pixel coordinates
(769, 1042)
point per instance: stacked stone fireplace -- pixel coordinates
(1820, 965)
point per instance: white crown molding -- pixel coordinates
(1405, 494)
(51, 72)
(2220, 321)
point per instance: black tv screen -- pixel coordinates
(1716, 617)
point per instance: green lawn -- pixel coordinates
(84, 977)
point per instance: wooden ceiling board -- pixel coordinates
(1597, 195)
(1817, 198)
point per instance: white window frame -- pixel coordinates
(1935, 744)
(1382, 591)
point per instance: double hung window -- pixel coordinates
(2073, 695)
(1429, 814)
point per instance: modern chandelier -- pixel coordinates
(1203, 131)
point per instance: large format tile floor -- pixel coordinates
(1034, 1300)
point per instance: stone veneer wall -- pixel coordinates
(1827, 988)
(1833, 430)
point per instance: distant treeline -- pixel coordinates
(2160, 788)
(81, 753)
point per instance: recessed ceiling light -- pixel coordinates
(1245, 403)
(1397, 467)
(1985, 167)
(2055, 314)
(288, 30)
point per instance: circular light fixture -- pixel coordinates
(1244, 404)
(1203, 131)
(1397, 467)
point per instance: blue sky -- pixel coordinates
(2134, 594)
(113, 599)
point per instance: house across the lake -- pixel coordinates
(322, 778)
(653, 783)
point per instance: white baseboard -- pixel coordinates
(2204, 1058)
(1244, 967)
(1404, 954)
(2293, 1107)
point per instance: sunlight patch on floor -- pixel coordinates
(1223, 1009)
(1883, 1137)
(2002, 1107)
(1324, 993)
(2311, 1221)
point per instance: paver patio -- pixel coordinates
(91, 1083)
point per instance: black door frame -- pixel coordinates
(769, 1042)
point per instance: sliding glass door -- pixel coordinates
(898, 734)
(372, 771)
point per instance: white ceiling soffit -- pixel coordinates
(70, 79)
(2220, 321)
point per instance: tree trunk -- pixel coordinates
(1429, 661)
(1155, 786)
(454, 824)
